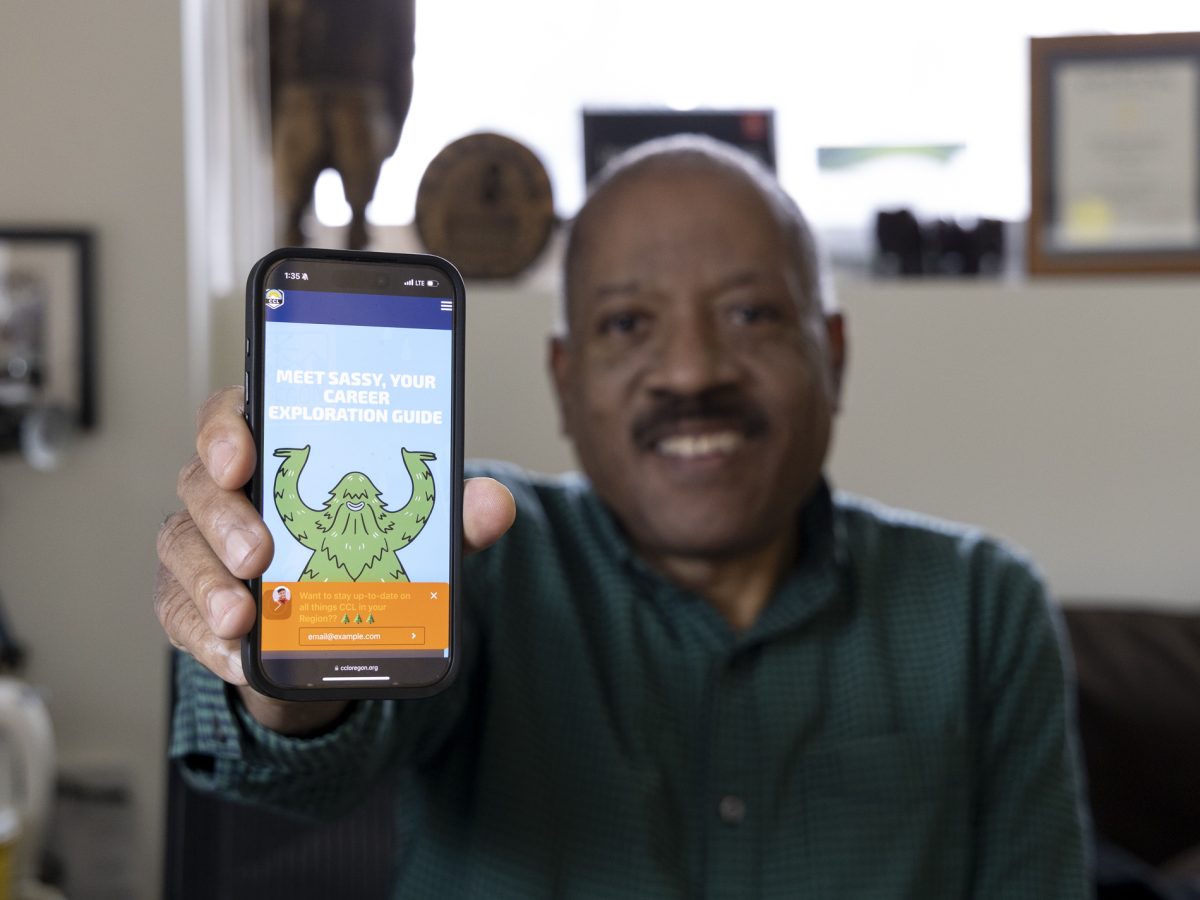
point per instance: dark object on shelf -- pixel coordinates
(899, 248)
(943, 247)
(12, 652)
(951, 249)
(607, 133)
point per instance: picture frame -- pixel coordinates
(1114, 154)
(47, 311)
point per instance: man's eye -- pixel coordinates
(755, 313)
(622, 323)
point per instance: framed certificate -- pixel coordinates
(1115, 154)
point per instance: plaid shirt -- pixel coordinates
(895, 724)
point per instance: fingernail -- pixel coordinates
(220, 455)
(220, 605)
(239, 545)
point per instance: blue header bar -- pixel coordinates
(379, 310)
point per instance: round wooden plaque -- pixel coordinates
(485, 204)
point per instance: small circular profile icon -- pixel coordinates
(280, 597)
(274, 298)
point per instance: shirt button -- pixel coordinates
(732, 809)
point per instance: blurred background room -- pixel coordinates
(1040, 381)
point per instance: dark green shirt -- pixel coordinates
(894, 725)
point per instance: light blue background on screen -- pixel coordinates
(370, 448)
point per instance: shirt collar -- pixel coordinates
(818, 580)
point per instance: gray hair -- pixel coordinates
(703, 152)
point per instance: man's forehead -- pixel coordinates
(705, 243)
(663, 219)
(666, 219)
(719, 280)
(662, 185)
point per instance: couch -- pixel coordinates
(1138, 675)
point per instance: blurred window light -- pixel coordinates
(865, 75)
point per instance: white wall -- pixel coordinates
(1061, 414)
(92, 136)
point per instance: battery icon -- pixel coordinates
(433, 282)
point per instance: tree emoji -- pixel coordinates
(358, 619)
(371, 618)
(346, 619)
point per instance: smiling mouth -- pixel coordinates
(696, 446)
(355, 506)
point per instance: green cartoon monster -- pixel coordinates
(354, 537)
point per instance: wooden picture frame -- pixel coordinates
(1115, 154)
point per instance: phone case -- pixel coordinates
(254, 351)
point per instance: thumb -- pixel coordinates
(488, 512)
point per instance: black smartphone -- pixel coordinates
(354, 394)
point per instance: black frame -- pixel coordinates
(607, 132)
(81, 243)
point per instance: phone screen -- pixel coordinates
(354, 397)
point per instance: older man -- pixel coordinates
(699, 672)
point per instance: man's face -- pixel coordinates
(696, 382)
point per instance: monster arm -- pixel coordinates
(405, 524)
(300, 519)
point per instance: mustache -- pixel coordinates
(729, 406)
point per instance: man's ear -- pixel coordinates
(835, 335)
(558, 361)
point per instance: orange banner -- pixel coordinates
(325, 616)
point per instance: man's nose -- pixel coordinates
(691, 358)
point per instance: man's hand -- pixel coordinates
(218, 539)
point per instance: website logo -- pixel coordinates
(274, 298)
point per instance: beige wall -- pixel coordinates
(92, 136)
(1060, 414)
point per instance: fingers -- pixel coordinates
(223, 440)
(488, 512)
(219, 599)
(188, 630)
(229, 524)
(219, 538)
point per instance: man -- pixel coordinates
(698, 673)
